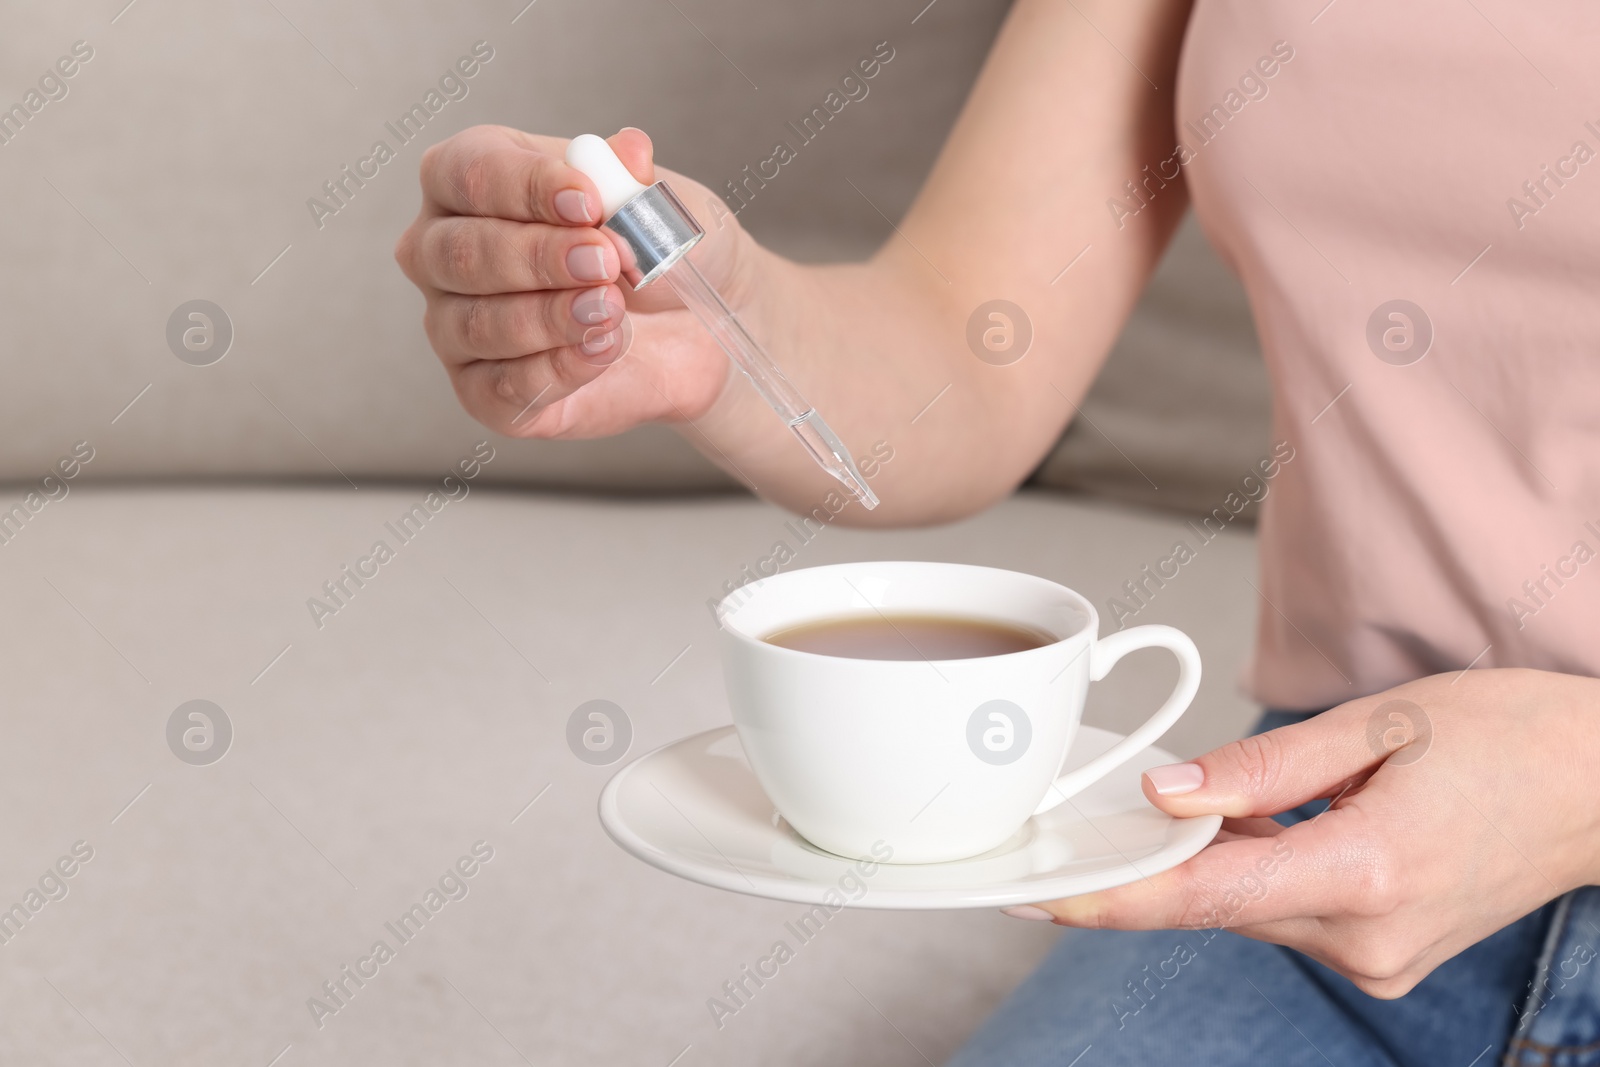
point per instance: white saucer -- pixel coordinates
(694, 809)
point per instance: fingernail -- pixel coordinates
(591, 308)
(1027, 911)
(596, 340)
(1176, 778)
(573, 205)
(587, 263)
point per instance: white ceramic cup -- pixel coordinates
(938, 759)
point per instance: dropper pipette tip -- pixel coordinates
(859, 489)
(831, 455)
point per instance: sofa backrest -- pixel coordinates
(185, 156)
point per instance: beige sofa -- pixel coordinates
(420, 713)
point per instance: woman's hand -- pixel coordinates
(1463, 802)
(525, 309)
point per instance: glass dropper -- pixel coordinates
(658, 230)
(819, 439)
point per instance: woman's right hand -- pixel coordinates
(525, 305)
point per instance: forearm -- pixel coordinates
(1056, 124)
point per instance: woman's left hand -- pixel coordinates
(1463, 802)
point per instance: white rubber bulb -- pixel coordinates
(600, 164)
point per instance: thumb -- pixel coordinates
(633, 146)
(1271, 772)
(725, 256)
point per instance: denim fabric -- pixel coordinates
(1528, 996)
(1559, 1020)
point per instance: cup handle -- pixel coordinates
(1103, 655)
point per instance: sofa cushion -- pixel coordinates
(371, 752)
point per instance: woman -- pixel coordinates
(1389, 181)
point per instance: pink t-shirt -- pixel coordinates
(1411, 195)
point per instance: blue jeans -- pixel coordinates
(1527, 996)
